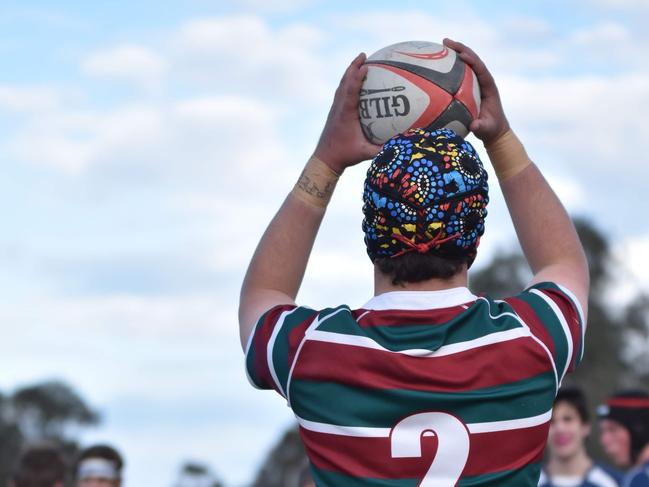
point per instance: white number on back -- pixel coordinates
(452, 445)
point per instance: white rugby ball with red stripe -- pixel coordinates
(417, 84)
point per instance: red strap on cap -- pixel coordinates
(628, 402)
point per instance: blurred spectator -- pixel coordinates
(39, 466)
(569, 465)
(625, 434)
(99, 466)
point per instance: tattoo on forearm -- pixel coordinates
(306, 184)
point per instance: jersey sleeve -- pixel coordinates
(555, 317)
(273, 344)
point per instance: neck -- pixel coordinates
(383, 283)
(644, 456)
(577, 464)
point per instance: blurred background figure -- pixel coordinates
(99, 466)
(305, 479)
(39, 466)
(569, 465)
(624, 424)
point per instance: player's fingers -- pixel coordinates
(349, 74)
(352, 86)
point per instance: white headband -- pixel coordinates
(98, 468)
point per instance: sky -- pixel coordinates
(144, 146)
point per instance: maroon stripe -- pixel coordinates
(406, 317)
(463, 371)
(570, 313)
(295, 337)
(531, 319)
(506, 450)
(262, 336)
(371, 457)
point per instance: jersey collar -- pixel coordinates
(421, 300)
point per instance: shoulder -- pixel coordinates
(602, 475)
(638, 477)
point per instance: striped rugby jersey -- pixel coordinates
(420, 388)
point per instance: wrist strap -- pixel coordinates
(316, 183)
(508, 156)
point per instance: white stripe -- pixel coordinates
(312, 326)
(333, 429)
(366, 342)
(271, 346)
(362, 316)
(474, 428)
(534, 337)
(564, 326)
(600, 477)
(420, 300)
(582, 317)
(511, 424)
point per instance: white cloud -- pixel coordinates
(24, 99)
(275, 6)
(133, 63)
(244, 54)
(601, 35)
(579, 119)
(203, 135)
(624, 5)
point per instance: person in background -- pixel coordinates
(624, 435)
(39, 466)
(99, 466)
(569, 464)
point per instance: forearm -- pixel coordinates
(281, 257)
(545, 231)
(278, 264)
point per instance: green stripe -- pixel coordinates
(324, 478)
(469, 325)
(250, 365)
(252, 354)
(339, 404)
(552, 325)
(281, 347)
(525, 477)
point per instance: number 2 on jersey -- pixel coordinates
(452, 445)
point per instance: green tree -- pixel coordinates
(49, 411)
(283, 464)
(194, 474)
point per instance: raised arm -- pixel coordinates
(277, 266)
(545, 231)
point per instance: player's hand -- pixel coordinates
(491, 122)
(342, 142)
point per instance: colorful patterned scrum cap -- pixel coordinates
(425, 191)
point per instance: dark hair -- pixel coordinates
(39, 466)
(102, 451)
(576, 398)
(415, 267)
(630, 408)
